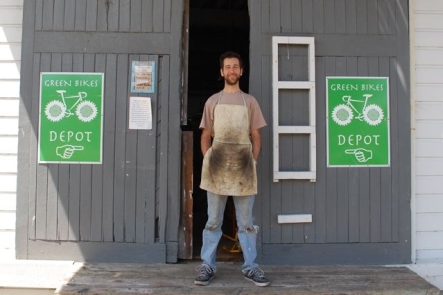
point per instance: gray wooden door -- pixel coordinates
(360, 215)
(126, 209)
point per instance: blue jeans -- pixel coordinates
(247, 232)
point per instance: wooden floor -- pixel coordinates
(178, 279)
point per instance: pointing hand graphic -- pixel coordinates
(362, 155)
(66, 151)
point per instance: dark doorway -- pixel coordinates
(215, 26)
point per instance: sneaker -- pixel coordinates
(205, 274)
(257, 276)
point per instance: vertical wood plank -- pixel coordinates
(392, 17)
(265, 16)
(320, 191)
(331, 177)
(296, 16)
(340, 16)
(69, 19)
(385, 177)
(319, 20)
(41, 188)
(286, 18)
(80, 15)
(364, 210)
(147, 156)
(375, 180)
(91, 15)
(112, 15)
(274, 16)
(29, 71)
(33, 151)
(157, 16)
(74, 175)
(353, 174)
(51, 214)
(97, 170)
(63, 172)
(372, 14)
(286, 199)
(124, 16)
(48, 14)
(38, 15)
(120, 147)
(264, 161)
(167, 21)
(102, 15)
(329, 17)
(342, 179)
(308, 15)
(173, 91)
(147, 19)
(362, 17)
(86, 175)
(383, 17)
(130, 179)
(109, 148)
(395, 146)
(136, 16)
(351, 17)
(163, 157)
(59, 15)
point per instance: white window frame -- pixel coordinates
(307, 85)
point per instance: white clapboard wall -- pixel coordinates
(428, 59)
(10, 49)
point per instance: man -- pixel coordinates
(233, 120)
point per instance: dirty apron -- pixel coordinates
(228, 165)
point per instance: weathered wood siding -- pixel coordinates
(10, 47)
(429, 125)
(126, 209)
(360, 215)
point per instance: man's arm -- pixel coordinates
(205, 141)
(256, 143)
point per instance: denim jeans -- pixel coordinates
(247, 232)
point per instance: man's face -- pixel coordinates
(231, 71)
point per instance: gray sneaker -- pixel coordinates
(205, 274)
(257, 276)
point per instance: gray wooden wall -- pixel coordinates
(126, 209)
(360, 215)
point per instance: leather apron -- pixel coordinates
(228, 165)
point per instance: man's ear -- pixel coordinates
(221, 72)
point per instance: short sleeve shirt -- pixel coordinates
(256, 119)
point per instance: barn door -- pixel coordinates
(126, 208)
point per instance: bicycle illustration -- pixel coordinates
(85, 110)
(344, 113)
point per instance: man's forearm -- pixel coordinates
(205, 141)
(256, 144)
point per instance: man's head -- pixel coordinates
(231, 67)
(230, 54)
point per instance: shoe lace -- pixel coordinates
(257, 272)
(204, 269)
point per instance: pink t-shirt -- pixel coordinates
(256, 119)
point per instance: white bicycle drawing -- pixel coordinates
(344, 113)
(85, 110)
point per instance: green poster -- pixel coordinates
(71, 118)
(357, 121)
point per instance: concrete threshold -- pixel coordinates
(33, 276)
(111, 278)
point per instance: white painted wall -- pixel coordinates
(11, 12)
(427, 92)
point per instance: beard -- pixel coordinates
(232, 80)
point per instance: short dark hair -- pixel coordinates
(230, 54)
